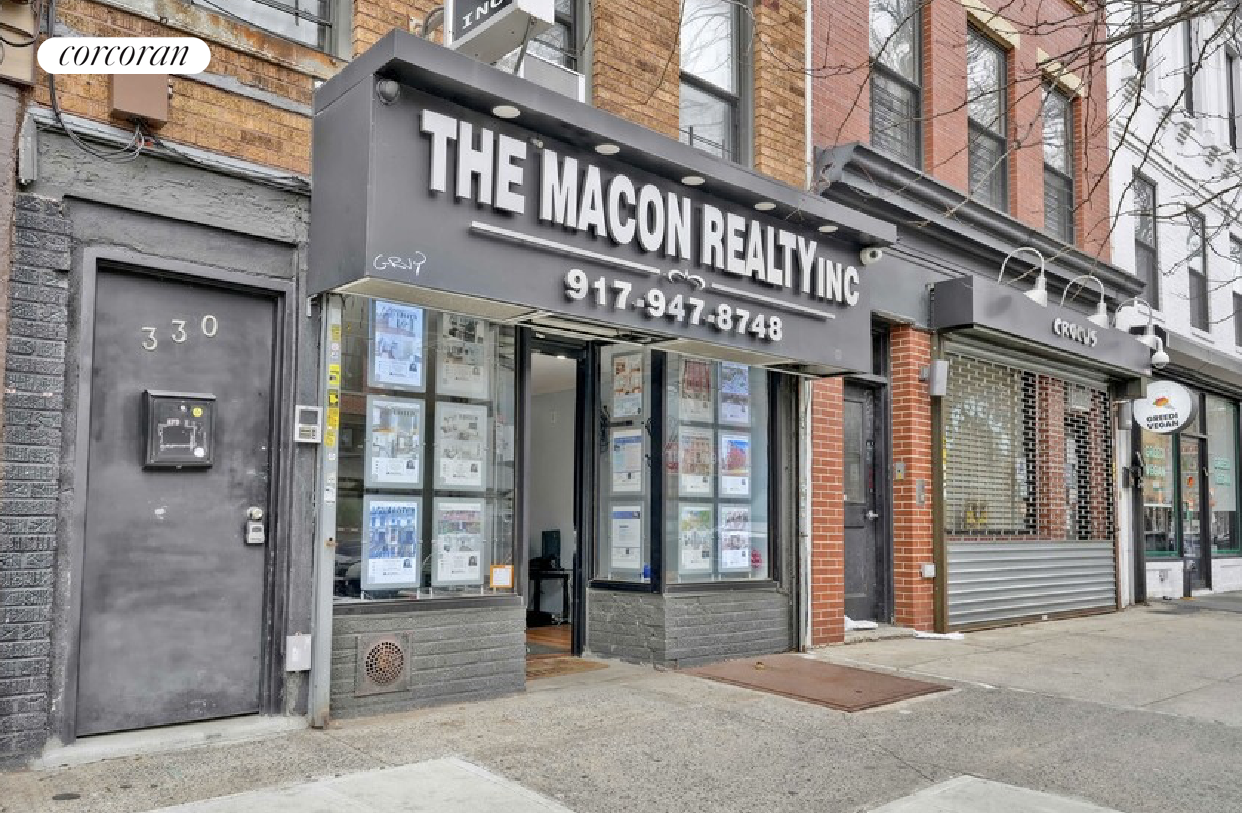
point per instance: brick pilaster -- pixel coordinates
(827, 514)
(913, 595)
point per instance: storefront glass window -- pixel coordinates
(1158, 495)
(1222, 428)
(715, 471)
(425, 477)
(1188, 498)
(624, 550)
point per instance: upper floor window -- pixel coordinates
(896, 80)
(1146, 260)
(306, 21)
(1140, 42)
(1192, 67)
(986, 103)
(1196, 260)
(1233, 84)
(1058, 117)
(711, 77)
(559, 44)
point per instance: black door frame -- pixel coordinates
(585, 354)
(276, 575)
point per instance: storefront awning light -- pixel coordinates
(506, 111)
(765, 206)
(607, 149)
(828, 228)
(693, 180)
(1038, 294)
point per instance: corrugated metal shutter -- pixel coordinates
(1008, 580)
(1028, 492)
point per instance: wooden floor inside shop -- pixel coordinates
(547, 653)
(548, 641)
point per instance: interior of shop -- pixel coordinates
(552, 538)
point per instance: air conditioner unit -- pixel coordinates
(552, 76)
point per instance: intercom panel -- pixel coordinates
(180, 429)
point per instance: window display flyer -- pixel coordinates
(627, 461)
(696, 390)
(735, 537)
(459, 542)
(462, 357)
(397, 344)
(394, 451)
(627, 385)
(460, 447)
(734, 464)
(390, 543)
(694, 538)
(734, 393)
(627, 537)
(694, 465)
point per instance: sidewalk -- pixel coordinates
(1080, 709)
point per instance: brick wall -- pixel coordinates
(913, 529)
(780, 90)
(635, 66)
(34, 382)
(1059, 27)
(827, 514)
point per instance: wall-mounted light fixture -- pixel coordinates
(1159, 358)
(1038, 294)
(1100, 317)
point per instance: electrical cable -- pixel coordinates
(123, 155)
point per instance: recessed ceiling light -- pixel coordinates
(765, 205)
(829, 228)
(693, 180)
(506, 111)
(607, 149)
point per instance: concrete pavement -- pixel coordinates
(1115, 711)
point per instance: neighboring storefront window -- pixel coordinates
(425, 479)
(1027, 456)
(716, 471)
(1222, 442)
(1158, 491)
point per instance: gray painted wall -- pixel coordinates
(455, 655)
(168, 211)
(688, 629)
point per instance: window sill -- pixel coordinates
(405, 605)
(717, 587)
(1202, 335)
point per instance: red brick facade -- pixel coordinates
(913, 600)
(827, 514)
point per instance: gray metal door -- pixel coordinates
(864, 576)
(172, 585)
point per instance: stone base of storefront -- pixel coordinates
(688, 628)
(451, 655)
(1164, 577)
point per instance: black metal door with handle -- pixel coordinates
(863, 570)
(177, 504)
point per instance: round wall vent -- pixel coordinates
(384, 663)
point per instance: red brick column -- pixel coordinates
(827, 514)
(944, 88)
(913, 528)
(1051, 516)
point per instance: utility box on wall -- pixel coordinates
(139, 97)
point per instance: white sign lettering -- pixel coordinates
(489, 168)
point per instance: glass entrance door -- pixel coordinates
(1191, 472)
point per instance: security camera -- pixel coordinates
(1159, 360)
(870, 255)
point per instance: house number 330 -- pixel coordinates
(207, 327)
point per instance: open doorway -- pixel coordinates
(552, 526)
